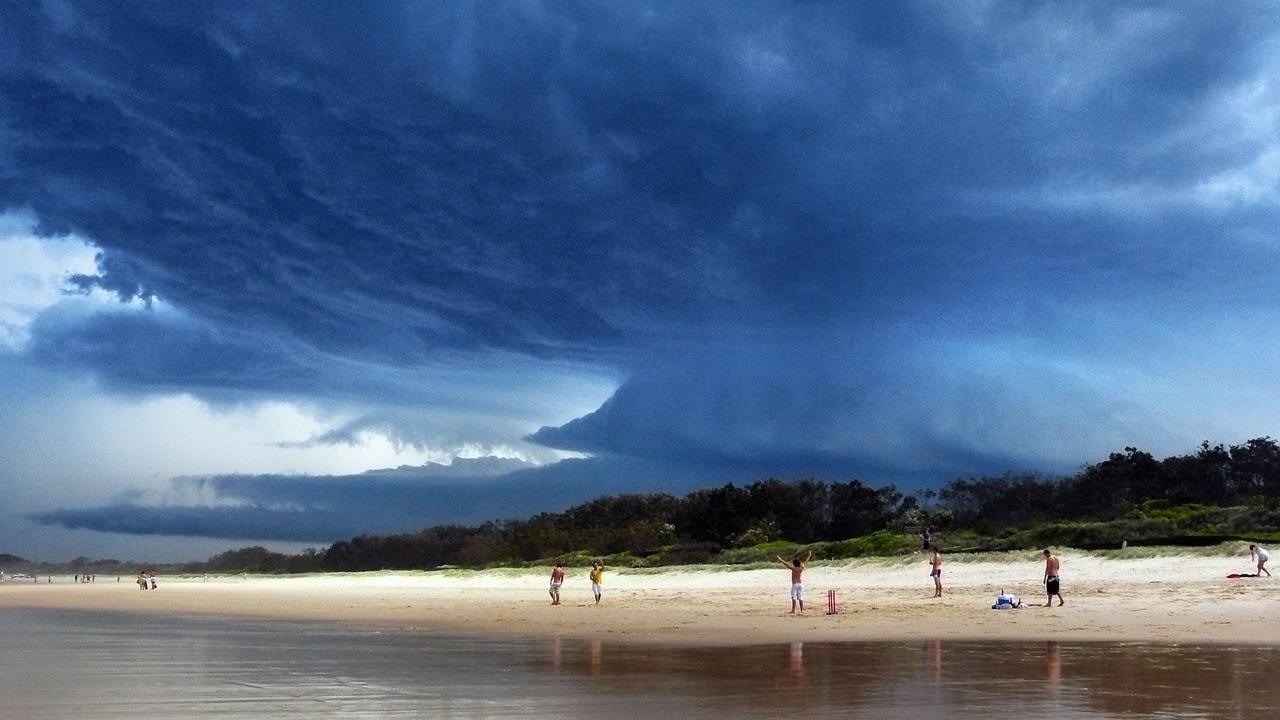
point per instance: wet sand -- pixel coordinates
(1163, 600)
(68, 664)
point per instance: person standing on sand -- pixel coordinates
(1051, 581)
(935, 571)
(597, 578)
(1257, 552)
(797, 588)
(557, 579)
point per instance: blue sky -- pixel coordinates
(267, 270)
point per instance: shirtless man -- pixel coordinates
(557, 579)
(797, 589)
(935, 572)
(1051, 565)
(1256, 552)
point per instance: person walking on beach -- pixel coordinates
(597, 578)
(1051, 581)
(797, 587)
(557, 579)
(1257, 552)
(935, 571)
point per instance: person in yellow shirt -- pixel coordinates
(597, 578)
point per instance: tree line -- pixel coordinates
(705, 523)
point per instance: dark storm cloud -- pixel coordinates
(390, 181)
(325, 509)
(817, 236)
(858, 410)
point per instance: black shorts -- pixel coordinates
(1052, 585)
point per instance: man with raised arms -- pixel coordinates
(797, 588)
(1051, 581)
(597, 578)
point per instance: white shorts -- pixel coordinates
(797, 592)
(595, 588)
(555, 587)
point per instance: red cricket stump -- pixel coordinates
(832, 607)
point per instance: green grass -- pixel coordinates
(886, 548)
(1159, 551)
(1228, 549)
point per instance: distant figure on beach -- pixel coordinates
(797, 587)
(557, 579)
(597, 578)
(926, 539)
(1257, 552)
(1051, 581)
(151, 581)
(142, 580)
(935, 571)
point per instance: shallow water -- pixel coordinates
(86, 665)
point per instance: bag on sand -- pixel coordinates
(1005, 602)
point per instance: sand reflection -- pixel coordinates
(1091, 679)
(201, 668)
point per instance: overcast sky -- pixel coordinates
(267, 270)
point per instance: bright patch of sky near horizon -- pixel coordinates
(71, 442)
(902, 242)
(184, 435)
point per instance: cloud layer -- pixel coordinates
(323, 509)
(906, 241)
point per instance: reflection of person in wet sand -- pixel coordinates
(935, 572)
(795, 662)
(555, 653)
(1256, 552)
(557, 579)
(1051, 581)
(797, 588)
(935, 659)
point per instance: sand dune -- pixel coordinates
(1167, 599)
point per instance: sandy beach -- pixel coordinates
(1170, 599)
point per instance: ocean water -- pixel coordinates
(58, 664)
